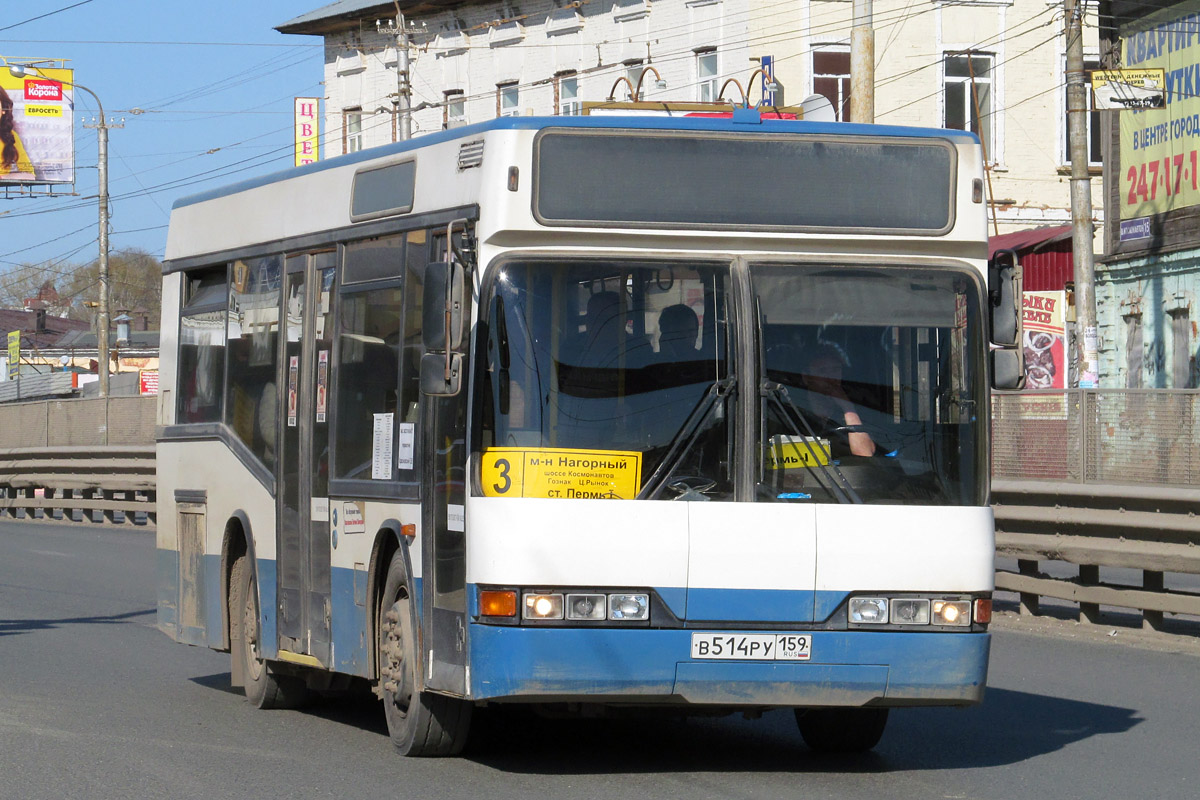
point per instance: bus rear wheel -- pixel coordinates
(841, 730)
(419, 723)
(265, 687)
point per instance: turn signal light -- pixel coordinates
(497, 603)
(983, 610)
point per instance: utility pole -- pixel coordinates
(403, 85)
(862, 64)
(1086, 332)
(102, 127)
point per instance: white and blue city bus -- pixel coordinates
(587, 413)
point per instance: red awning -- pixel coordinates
(1031, 240)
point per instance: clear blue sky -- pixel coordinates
(215, 82)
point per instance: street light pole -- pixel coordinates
(102, 126)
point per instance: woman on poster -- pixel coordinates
(14, 161)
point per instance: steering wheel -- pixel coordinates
(691, 487)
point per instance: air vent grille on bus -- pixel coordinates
(470, 155)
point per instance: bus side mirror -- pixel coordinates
(1008, 368)
(441, 374)
(442, 306)
(1004, 299)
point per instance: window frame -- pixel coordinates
(709, 82)
(503, 91)
(841, 107)
(991, 142)
(352, 140)
(1091, 61)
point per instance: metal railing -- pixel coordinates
(1098, 478)
(1090, 478)
(78, 460)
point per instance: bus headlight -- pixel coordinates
(543, 606)
(869, 610)
(629, 606)
(952, 612)
(910, 611)
(586, 607)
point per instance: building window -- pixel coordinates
(568, 97)
(969, 103)
(1133, 351)
(1181, 350)
(454, 110)
(633, 73)
(352, 135)
(1093, 124)
(831, 78)
(706, 76)
(508, 100)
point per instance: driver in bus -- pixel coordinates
(822, 375)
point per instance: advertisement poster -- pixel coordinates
(148, 381)
(1045, 340)
(37, 123)
(1159, 147)
(307, 130)
(14, 354)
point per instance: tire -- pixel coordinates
(265, 686)
(841, 730)
(419, 723)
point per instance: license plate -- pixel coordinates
(752, 646)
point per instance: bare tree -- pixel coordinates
(135, 286)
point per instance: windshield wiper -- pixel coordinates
(827, 474)
(687, 435)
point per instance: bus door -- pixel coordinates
(303, 545)
(444, 551)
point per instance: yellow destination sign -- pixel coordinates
(561, 473)
(795, 452)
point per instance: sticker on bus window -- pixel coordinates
(797, 452)
(293, 380)
(561, 473)
(322, 383)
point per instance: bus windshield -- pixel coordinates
(617, 357)
(870, 382)
(874, 385)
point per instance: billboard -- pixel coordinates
(1159, 147)
(307, 130)
(37, 123)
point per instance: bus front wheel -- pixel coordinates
(419, 723)
(841, 730)
(265, 687)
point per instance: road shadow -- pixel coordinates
(218, 681)
(10, 627)
(1008, 728)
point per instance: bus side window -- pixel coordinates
(251, 401)
(371, 345)
(416, 257)
(202, 346)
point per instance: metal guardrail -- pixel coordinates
(78, 460)
(1098, 479)
(1091, 478)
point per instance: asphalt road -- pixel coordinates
(95, 703)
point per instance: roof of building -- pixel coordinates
(26, 322)
(1032, 239)
(345, 14)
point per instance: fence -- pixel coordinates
(1099, 479)
(78, 459)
